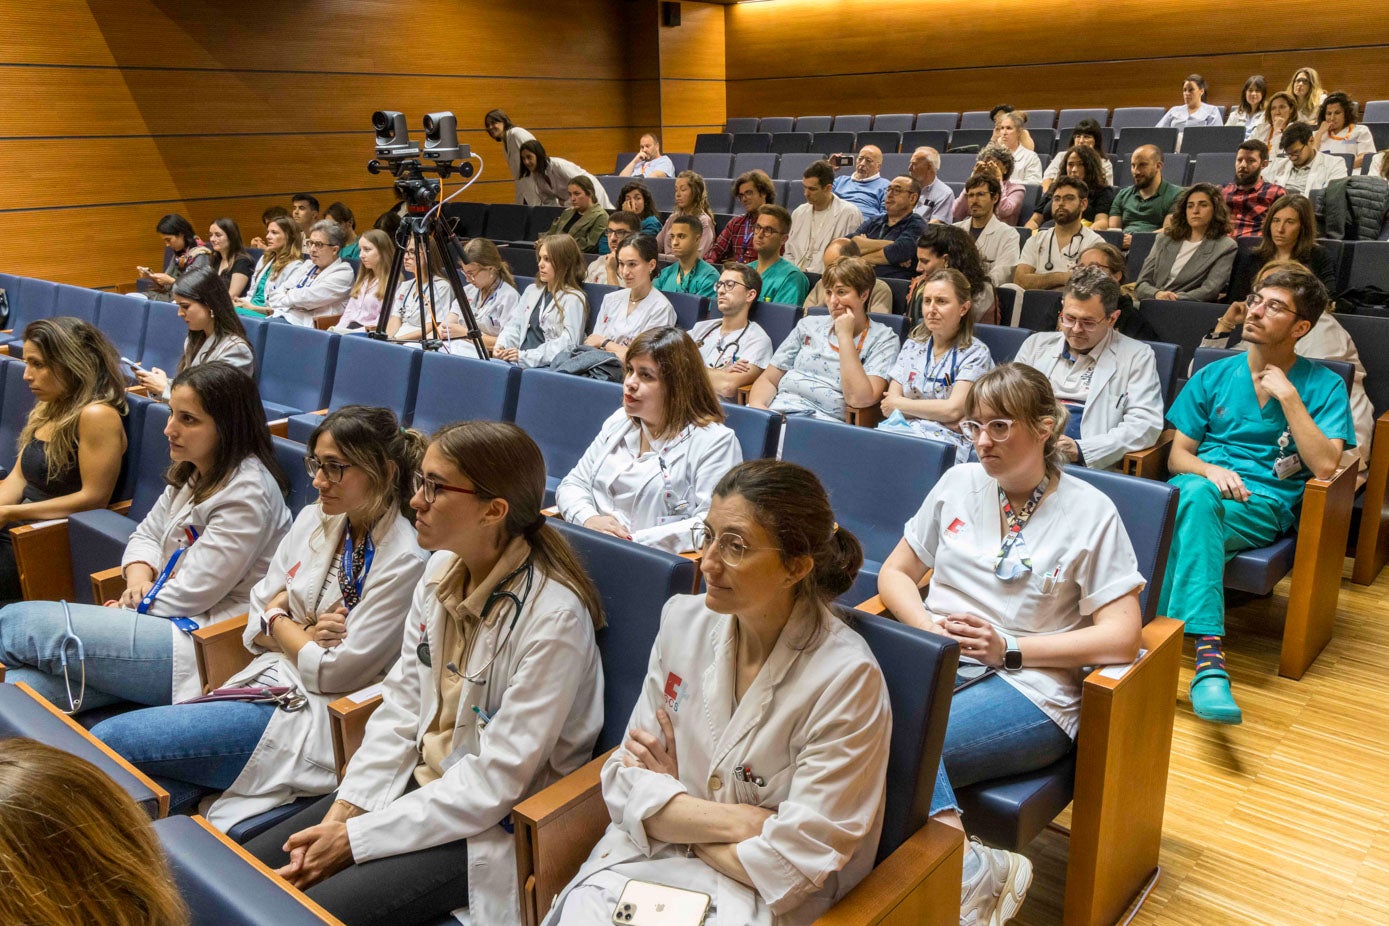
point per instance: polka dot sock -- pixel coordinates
(1209, 654)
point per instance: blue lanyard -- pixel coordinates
(348, 576)
(952, 358)
(187, 625)
(308, 277)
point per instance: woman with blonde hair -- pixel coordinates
(490, 288)
(691, 198)
(553, 309)
(1306, 90)
(71, 445)
(74, 848)
(280, 265)
(363, 308)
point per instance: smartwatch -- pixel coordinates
(1012, 656)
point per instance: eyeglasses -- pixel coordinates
(315, 245)
(1270, 306)
(730, 548)
(473, 274)
(332, 469)
(74, 704)
(998, 429)
(1080, 324)
(766, 229)
(724, 286)
(431, 487)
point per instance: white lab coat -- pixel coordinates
(999, 246)
(1124, 411)
(295, 754)
(815, 725)
(238, 530)
(544, 692)
(552, 187)
(326, 294)
(562, 320)
(1323, 169)
(227, 348)
(663, 512)
(288, 276)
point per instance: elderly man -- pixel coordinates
(888, 241)
(936, 201)
(820, 219)
(865, 188)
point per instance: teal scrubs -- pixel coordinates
(783, 282)
(1220, 411)
(698, 282)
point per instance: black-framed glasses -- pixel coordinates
(725, 285)
(431, 487)
(332, 469)
(730, 548)
(70, 638)
(998, 429)
(315, 245)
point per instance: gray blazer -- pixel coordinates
(1205, 276)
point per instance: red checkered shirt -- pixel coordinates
(1248, 207)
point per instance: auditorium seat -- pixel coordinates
(925, 138)
(720, 192)
(689, 309)
(758, 430)
(946, 122)
(76, 302)
(1140, 244)
(373, 373)
(1065, 139)
(1368, 261)
(1216, 167)
(1040, 119)
(1002, 341)
(612, 184)
(792, 166)
(622, 160)
(966, 138)
(595, 293)
(506, 222)
(471, 218)
(751, 142)
(165, 333)
(747, 161)
(894, 164)
(977, 119)
(853, 124)
(540, 218)
(1126, 117)
(713, 142)
(1200, 139)
(813, 124)
(711, 164)
(776, 319)
(956, 167)
(886, 142)
(736, 124)
(1039, 310)
(563, 414)
(1376, 111)
(301, 493)
(30, 300)
(790, 143)
(1069, 118)
(463, 388)
(1134, 137)
(835, 142)
(774, 124)
(296, 373)
(662, 191)
(1371, 337)
(15, 405)
(123, 319)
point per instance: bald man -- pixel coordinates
(865, 187)
(1146, 205)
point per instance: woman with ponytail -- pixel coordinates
(497, 693)
(325, 621)
(754, 764)
(1035, 578)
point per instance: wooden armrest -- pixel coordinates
(917, 885)
(864, 417)
(279, 427)
(220, 651)
(348, 719)
(121, 507)
(555, 830)
(875, 604)
(42, 558)
(324, 322)
(249, 859)
(108, 584)
(1322, 530)
(551, 512)
(1372, 543)
(1150, 463)
(743, 394)
(1123, 750)
(138, 390)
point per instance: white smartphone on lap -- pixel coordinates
(645, 903)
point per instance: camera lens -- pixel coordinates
(380, 121)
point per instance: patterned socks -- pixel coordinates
(1209, 654)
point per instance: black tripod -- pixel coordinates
(421, 231)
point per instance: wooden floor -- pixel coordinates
(1285, 818)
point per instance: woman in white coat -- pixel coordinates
(755, 761)
(551, 315)
(498, 693)
(324, 284)
(191, 562)
(544, 179)
(650, 473)
(326, 620)
(638, 306)
(413, 305)
(215, 331)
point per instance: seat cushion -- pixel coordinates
(1258, 571)
(274, 410)
(96, 540)
(1010, 812)
(252, 827)
(301, 426)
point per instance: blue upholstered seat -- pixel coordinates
(563, 414)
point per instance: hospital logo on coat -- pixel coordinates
(675, 690)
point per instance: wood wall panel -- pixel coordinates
(693, 89)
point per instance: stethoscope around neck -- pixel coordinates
(498, 594)
(1051, 247)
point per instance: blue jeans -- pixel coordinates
(190, 749)
(128, 656)
(994, 731)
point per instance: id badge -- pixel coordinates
(1287, 467)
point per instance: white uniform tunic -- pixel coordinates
(815, 727)
(750, 343)
(313, 292)
(924, 377)
(810, 358)
(622, 325)
(561, 320)
(494, 312)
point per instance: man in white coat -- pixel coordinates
(997, 243)
(1107, 380)
(822, 218)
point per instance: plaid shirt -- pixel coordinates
(1248, 207)
(735, 242)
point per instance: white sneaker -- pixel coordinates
(995, 893)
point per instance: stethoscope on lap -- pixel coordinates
(498, 594)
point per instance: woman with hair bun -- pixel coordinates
(215, 331)
(1035, 578)
(755, 761)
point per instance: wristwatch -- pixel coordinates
(1012, 656)
(268, 619)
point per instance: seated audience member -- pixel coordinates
(1023, 715)
(583, 219)
(64, 822)
(603, 269)
(1249, 197)
(865, 188)
(1193, 110)
(214, 331)
(501, 129)
(339, 213)
(888, 241)
(691, 198)
(879, 301)
(636, 197)
(229, 259)
(1111, 260)
(72, 439)
(1050, 255)
(1251, 430)
(322, 287)
(186, 251)
(639, 306)
(1008, 129)
(937, 365)
(545, 180)
(219, 522)
(1081, 164)
(996, 241)
(1306, 90)
(649, 162)
(1379, 166)
(553, 309)
(936, 201)
(945, 247)
(774, 562)
(753, 190)
(389, 222)
(1249, 112)
(1087, 134)
(996, 161)
(419, 305)
(1193, 256)
(280, 266)
(829, 363)
(996, 117)
(649, 474)
(326, 620)
(1303, 169)
(489, 288)
(1289, 233)
(781, 281)
(1326, 341)
(735, 350)
(820, 219)
(363, 309)
(1107, 381)
(467, 729)
(689, 274)
(266, 217)
(1279, 112)
(304, 211)
(1146, 205)
(1340, 131)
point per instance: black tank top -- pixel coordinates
(37, 486)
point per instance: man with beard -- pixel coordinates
(1052, 253)
(1250, 195)
(1143, 207)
